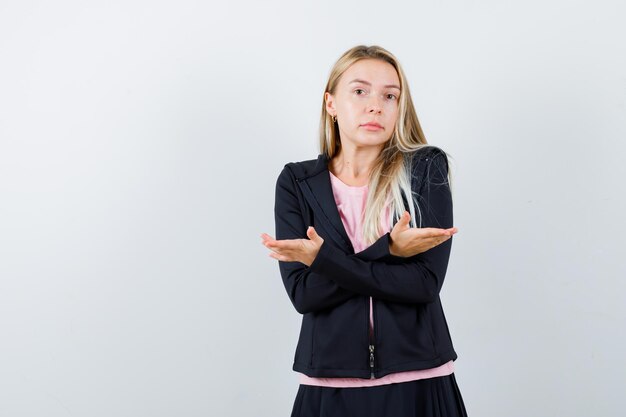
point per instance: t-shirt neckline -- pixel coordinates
(346, 186)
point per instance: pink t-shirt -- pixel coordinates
(351, 204)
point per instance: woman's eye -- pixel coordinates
(393, 97)
(358, 89)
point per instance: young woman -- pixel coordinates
(363, 238)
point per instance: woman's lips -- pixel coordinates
(371, 127)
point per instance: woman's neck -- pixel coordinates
(352, 166)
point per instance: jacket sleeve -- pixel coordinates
(415, 279)
(307, 289)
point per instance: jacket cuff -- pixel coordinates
(318, 263)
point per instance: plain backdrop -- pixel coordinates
(140, 142)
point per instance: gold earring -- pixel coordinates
(334, 119)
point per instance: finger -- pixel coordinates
(267, 239)
(266, 236)
(428, 245)
(403, 221)
(277, 246)
(433, 232)
(279, 257)
(284, 244)
(451, 231)
(433, 241)
(312, 234)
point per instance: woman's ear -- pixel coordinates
(330, 103)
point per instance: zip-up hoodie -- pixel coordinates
(333, 293)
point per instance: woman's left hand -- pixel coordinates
(294, 250)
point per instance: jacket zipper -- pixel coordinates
(372, 361)
(371, 337)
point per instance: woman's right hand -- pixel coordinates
(407, 241)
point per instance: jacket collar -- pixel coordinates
(317, 190)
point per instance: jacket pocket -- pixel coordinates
(404, 334)
(340, 339)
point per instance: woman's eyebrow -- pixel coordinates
(356, 80)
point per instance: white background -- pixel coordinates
(140, 143)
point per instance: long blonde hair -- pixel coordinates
(391, 174)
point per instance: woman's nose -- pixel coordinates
(374, 105)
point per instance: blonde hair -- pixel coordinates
(392, 171)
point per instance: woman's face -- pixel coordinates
(367, 92)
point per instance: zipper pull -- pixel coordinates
(372, 361)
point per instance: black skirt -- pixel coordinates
(430, 397)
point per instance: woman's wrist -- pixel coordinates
(392, 248)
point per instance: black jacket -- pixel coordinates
(410, 329)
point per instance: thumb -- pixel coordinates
(406, 217)
(403, 222)
(312, 234)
